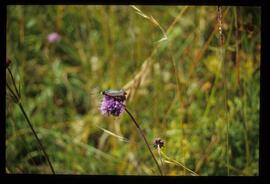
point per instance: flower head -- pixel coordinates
(53, 37)
(158, 143)
(112, 105)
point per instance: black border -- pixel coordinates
(3, 15)
(264, 164)
(139, 2)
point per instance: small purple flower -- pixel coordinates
(112, 105)
(53, 37)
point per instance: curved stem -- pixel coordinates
(178, 163)
(14, 84)
(13, 94)
(16, 96)
(38, 140)
(147, 144)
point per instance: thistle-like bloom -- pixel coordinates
(158, 143)
(53, 37)
(112, 105)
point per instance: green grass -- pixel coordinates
(175, 86)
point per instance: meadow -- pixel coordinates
(191, 74)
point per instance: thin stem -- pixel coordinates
(147, 144)
(13, 94)
(160, 157)
(178, 163)
(16, 96)
(221, 54)
(13, 81)
(237, 46)
(39, 142)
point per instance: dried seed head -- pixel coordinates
(158, 142)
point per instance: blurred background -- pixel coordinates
(199, 95)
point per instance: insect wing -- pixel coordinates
(114, 92)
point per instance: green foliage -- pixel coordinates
(208, 117)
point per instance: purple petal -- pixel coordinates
(110, 105)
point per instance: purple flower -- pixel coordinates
(112, 105)
(53, 37)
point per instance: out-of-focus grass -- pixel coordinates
(105, 47)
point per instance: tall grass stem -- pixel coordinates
(221, 55)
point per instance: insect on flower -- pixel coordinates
(117, 94)
(113, 102)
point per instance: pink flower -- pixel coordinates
(53, 37)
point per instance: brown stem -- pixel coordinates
(13, 94)
(16, 96)
(14, 84)
(147, 144)
(38, 140)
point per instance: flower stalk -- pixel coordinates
(16, 96)
(158, 144)
(160, 157)
(144, 138)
